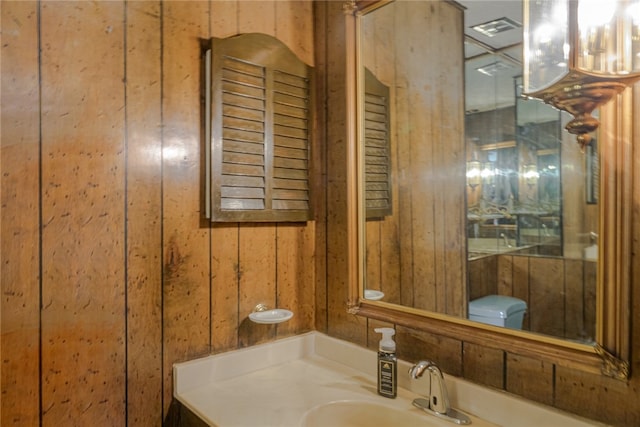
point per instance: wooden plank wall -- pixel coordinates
(611, 401)
(122, 259)
(109, 274)
(417, 255)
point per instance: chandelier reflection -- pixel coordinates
(578, 54)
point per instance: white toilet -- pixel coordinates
(498, 310)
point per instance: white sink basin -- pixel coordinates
(356, 413)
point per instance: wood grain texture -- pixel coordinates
(224, 18)
(224, 287)
(574, 300)
(20, 192)
(571, 284)
(83, 292)
(89, 258)
(257, 280)
(423, 169)
(421, 245)
(597, 397)
(295, 278)
(318, 168)
(114, 117)
(293, 21)
(417, 345)
(519, 372)
(483, 365)
(144, 214)
(186, 269)
(257, 17)
(546, 296)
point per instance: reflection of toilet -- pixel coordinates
(498, 310)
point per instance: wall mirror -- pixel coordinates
(485, 194)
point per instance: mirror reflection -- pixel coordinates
(478, 204)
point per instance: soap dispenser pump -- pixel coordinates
(387, 364)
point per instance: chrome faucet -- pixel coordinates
(438, 402)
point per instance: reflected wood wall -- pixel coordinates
(109, 275)
(560, 293)
(416, 256)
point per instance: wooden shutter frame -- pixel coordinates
(375, 88)
(281, 67)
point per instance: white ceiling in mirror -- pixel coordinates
(493, 60)
(489, 77)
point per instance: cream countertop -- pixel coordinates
(275, 384)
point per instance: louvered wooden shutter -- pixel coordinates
(259, 131)
(377, 156)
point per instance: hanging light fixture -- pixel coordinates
(578, 54)
(474, 174)
(488, 173)
(530, 174)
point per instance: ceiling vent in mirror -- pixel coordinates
(494, 68)
(495, 27)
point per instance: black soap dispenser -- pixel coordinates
(387, 364)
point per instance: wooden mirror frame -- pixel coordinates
(611, 354)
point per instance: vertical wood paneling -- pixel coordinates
(416, 345)
(224, 287)
(482, 277)
(440, 181)
(257, 17)
(19, 255)
(453, 149)
(379, 58)
(373, 255)
(186, 256)
(83, 304)
(293, 20)
(546, 296)
(257, 283)
(521, 369)
(571, 284)
(403, 197)
(319, 165)
(423, 167)
(295, 278)
(402, 109)
(483, 365)
(421, 245)
(225, 268)
(596, 397)
(590, 281)
(121, 139)
(224, 18)
(634, 315)
(144, 214)
(574, 309)
(521, 285)
(505, 275)
(294, 242)
(86, 147)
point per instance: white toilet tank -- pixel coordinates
(498, 310)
